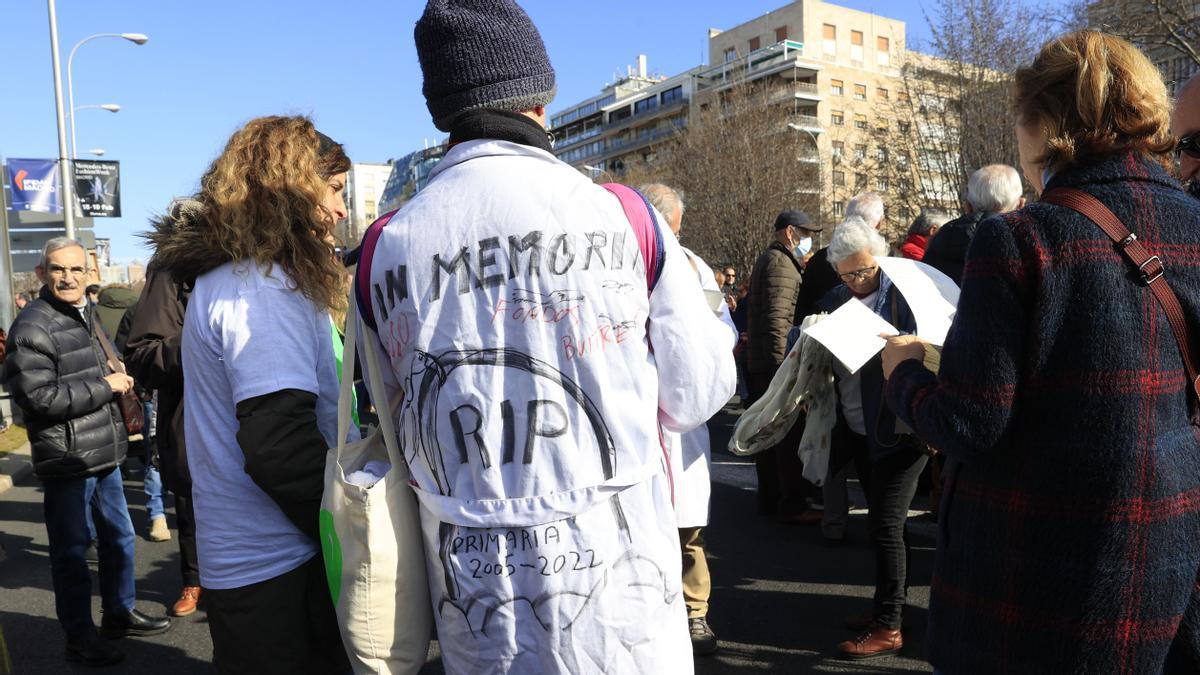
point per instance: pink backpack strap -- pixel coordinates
(362, 275)
(645, 229)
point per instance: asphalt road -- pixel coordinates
(779, 593)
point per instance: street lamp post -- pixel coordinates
(110, 107)
(64, 168)
(135, 38)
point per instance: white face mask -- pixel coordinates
(803, 247)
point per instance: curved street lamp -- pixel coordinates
(110, 107)
(135, 38)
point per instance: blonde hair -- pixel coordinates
(264, 202)
(1096, 96)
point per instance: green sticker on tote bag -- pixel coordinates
(332, 550)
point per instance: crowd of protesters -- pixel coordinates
(550, 357)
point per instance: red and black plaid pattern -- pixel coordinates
(1070, 523)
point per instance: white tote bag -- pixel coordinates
(371, 537)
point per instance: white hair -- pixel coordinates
(995, 188)
(927, 220)
(666, 199)
(868, 206)
(852, 236)
(57, 244)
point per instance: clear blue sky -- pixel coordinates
(210, 66)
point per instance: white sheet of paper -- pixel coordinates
(932, 296)
(852, 334)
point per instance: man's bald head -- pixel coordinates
(1185, 121)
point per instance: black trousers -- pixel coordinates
(782, 487)
(283, 625)
(185, 520)
(890, 488)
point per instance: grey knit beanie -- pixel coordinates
(481, 54)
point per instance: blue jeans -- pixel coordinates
(66, 503)
(152, 481)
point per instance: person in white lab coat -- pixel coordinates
(691, 452)
(535, 358)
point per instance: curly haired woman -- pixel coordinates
(261, 387)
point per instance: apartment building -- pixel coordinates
(364, 186)
(628, 117)
(409, 176)
(841, 71)
(838, 71)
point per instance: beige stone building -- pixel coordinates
(839, 72)
(848, 74)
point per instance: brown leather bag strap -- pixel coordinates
(107, 346)
(1150, 267)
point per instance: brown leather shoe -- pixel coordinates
(872, 642)
(186, 604)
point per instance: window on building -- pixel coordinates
(839, 209)
(902, 160)
(881, 183)
(860, 181)
(883, 55)
(839, 149)
(837, 118)
(839, 178)
(860, 121)
(856, 45)
(672, 95)
(860, 153)
(620, 114)
(730, 54)
(905, 127)
(754, 44)
(829, 34)
(837, 87)
(645, 105)
(881, 155)
(881, 93)
(860, 92)
(781, 34)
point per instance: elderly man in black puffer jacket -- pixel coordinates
(774, 291)
(58, 374)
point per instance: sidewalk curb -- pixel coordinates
(15, 467)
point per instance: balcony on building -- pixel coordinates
(784, 58)
(807, 121)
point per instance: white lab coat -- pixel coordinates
(691, 452)
(535, 370)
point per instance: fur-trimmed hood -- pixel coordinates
(182, 243)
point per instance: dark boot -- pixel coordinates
(132, 624)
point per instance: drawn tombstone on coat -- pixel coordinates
(544, 436)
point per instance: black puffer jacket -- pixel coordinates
(55, 368)
(774, 290)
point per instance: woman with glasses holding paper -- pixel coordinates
(887, 459)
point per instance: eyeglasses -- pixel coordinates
(858, 275)
(1189, 145)
(59, 270)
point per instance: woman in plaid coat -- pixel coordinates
(1070, 523)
